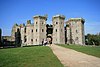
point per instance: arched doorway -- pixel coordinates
(49, 39)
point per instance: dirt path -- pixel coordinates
(72, 58)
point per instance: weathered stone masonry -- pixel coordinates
(34, 33)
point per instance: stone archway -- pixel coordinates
(49, 39)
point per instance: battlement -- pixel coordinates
(39, 16)
(34, 33)
(22, 25)
(15, 24)
(77, 19)
(28, 21)
(59, 16)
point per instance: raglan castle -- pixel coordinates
(60, 31)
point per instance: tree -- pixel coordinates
(92, 39)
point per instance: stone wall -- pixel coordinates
(14, 30)
(34, 34)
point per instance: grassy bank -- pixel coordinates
(95, 51)
(38, 56)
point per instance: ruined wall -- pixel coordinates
(34, 34)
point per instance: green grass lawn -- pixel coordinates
(95, 51)
(38, 56)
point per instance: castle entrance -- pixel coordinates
(49, 39)
(49, 33)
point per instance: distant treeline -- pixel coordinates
(92, 39)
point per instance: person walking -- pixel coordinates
(42, 42)
(45, 42)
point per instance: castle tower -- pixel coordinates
(75, 31)
(39, 29)
(58, 29)
(29, 33)
(14, 30)
(23, 34)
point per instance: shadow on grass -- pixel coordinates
(8, 47)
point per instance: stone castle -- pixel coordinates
(34, 33)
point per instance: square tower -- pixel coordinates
(14, 30)
(75, 31)
(39, 29)
(58, 29)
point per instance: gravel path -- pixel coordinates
(72, 58)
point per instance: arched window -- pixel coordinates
(25, 30)
(56, 30)
(32, 30)
(31, 40)
(36, 40)
(36, 22)
(36, 30)
(25, 39)
(76, 31)
(42, 30)
(56, 22)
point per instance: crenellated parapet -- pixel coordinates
(34, 33)
(76, 20)
(41, 17)
(58, 16)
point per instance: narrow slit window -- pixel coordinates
(25, 30)
(42, 30)
(36, 22)
(31, 40)
(56, 30)
(56, 22)
(36, 30)
(32, 30)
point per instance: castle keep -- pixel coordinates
(75, 31)
(59, 33)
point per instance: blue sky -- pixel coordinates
(19, 11)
